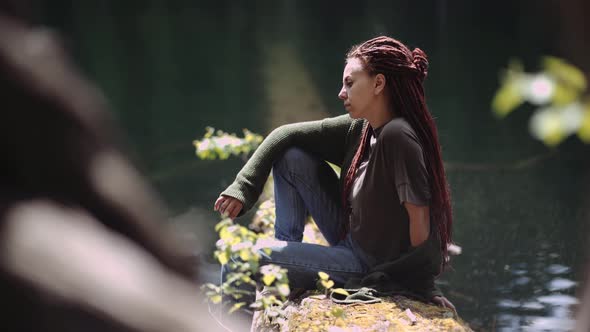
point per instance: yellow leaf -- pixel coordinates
(243, 231)
(337, 312)
(223, 223)
(507, 98)
(209, 132)
(268, 279)
(564, 95)
(225, 234)
(554, 138)
(216, 299)
(323, 275)
(245, 254)
(584, 131)
(223, 258)
(236, 307)
(547, 125)
(565, 72)
(340, 291)
(328, 284)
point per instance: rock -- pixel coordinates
(398, 313)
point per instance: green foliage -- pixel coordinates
(558, 91)
(510, 94)
(221, 145)
(324, 282)
(326, 285)
(264, 219)
(239, 248)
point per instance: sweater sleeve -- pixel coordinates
(325, 138)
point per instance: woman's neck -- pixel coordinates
(380, 116)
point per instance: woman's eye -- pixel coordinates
(348, 84)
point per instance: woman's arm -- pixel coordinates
(324, 138)
(419, 216)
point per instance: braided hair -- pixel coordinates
(404, 72)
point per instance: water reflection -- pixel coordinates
(557, 269)
(537, 299)
(560, 284)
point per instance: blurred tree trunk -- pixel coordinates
(574, 30)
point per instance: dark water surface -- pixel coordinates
(172, 68)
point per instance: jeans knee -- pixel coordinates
(294, 158)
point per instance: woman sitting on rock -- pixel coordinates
(388, 216)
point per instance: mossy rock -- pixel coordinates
(398, 313)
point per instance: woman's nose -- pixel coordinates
(342, 94)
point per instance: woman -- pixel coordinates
(388, 217)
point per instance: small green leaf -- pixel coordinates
(245, 254)
(223, 258)
(570, 75)
(584, 131)
(564, 95)
(222, 223)
(337, 312)
(236, 306)
(216, 299)
(225, 234)
(327, 284)
(340, 291)
(507, 98)
(268, 279)
(323, 275)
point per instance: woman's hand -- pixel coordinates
(444, 302)
(228, 206)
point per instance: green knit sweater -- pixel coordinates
(332, 139)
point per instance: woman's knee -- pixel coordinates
(295, 159)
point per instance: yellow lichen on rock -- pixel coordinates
(314, 314)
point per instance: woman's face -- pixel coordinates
(358, 89)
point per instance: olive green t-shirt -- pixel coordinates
(392, 171)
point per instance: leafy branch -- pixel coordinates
(559, 92)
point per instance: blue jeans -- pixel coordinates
(306, 185)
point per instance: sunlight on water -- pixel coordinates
(547, 310)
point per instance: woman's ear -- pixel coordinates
(379, 83)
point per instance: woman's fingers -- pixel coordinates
(218, 202)
(232, 209)
(236, 209)
(449, 304)
(228, 206)
(223, 206)
(444, 302)
(438, 300)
